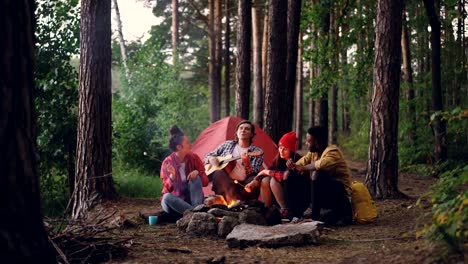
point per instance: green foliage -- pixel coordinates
(357, 144)
(138, 183)
(449, 213)
(153, 99)
(56, 97)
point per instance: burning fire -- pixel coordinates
(233, 202)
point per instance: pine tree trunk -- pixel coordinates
(93, 180)
(322, 113)
(264, 58)
(219, 51)
(382, 167)
(312, 75)
(215, 90)
(22, 234)
(276, 70)
(439, 126)
(334, 88)
(244, 33)
(299, 95)
(227, 60)
(120, 37)
(345, 119)
(258, 97)
(175, 31)
(408, 78)
(293, 28)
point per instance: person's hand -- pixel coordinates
(171, 171)
(251, 185)
(264, 173)
(192, 175)
(214, 161)
(290, 164)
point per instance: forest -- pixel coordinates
(85, 113)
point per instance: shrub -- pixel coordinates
(449, 212)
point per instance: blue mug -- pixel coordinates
(153, 219)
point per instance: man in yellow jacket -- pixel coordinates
(330, 178)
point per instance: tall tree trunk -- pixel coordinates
(94, 150)
(258, 97)
(215, 90)
(227, 60)
(120, 37)
(345, 119)
(244, 33)
(175, 31)
(408, 78)
(382, 167)
(218, 52)
(299, 94)
(439, 126)
(264, 57)
(22, 234)
(312, 75)
(293, 28)
(276, 68)
(323, 101)
(334, 88)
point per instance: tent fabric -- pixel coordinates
(224, 129)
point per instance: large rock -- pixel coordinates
(220, 212)
(185, 220)
(226, 225)
(202, 224)
(252, 216)
(246, 235)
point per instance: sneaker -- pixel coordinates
(285, 213)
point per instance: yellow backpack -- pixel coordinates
(364, 210)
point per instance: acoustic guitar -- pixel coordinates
(224, 161)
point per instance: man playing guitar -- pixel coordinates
(247, 161)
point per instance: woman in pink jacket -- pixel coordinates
(183, 175)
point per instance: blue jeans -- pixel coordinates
(174, 204)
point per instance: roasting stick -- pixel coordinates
(243, 186)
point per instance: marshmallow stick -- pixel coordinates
(243, 186)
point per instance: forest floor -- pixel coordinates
(390, 239)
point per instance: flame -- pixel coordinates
(231, 203)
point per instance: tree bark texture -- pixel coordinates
(258, 97)
(93, 180)
(439, 126)
(215, 89)
(175, 31)
(293, 28)
(264, 57)
(345, 118)
(334, 88)
(227, 60)
(219, 50)
(275, 85)
(382, 167)
(312, 76)
(22, 235)
(408, 78)
(244, 33)
(299, 96)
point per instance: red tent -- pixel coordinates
(223, 130)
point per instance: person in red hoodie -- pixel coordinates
(290, 190)
(183, 175)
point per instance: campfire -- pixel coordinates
(219, 215)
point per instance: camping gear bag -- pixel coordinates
(364, 210)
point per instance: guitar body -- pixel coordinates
(223, 162)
